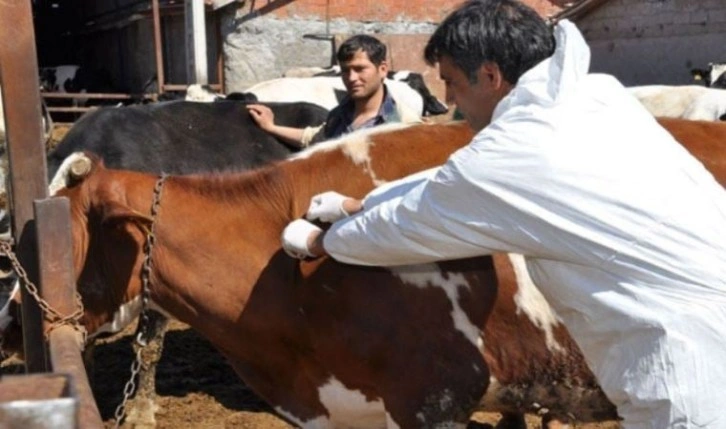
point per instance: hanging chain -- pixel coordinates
(143, 324)
(51, 315)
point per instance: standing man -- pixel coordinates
(363, 66)
(623, 231)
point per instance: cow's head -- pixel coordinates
(108, 238)
(48, 80)
(432, 105)
(714, 76)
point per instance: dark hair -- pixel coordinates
(375, 49)
(505, 32)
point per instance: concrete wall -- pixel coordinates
(655, 41)
(261, 43)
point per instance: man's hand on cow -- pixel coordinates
(263, 116)
(331, 207)
(302, 239)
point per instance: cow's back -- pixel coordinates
(179, 137)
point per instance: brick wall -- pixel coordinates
(381, 10)
(655, 41)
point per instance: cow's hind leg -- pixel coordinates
(442, 399)
(142, 408)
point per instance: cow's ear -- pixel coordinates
(115, 213)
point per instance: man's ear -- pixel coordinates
(383, 68)
(492, 74)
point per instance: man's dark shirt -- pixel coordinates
(340, 119)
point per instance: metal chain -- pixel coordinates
(143, 324)
(51, 315)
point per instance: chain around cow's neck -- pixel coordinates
(143, 325)
(146, 267)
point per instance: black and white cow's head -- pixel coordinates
(58, 78)
(714, 76)
(432, 105)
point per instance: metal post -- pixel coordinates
(196, 41)
(157, 47)
(56, 275)
(26, 152)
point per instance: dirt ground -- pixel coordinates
(195, 387)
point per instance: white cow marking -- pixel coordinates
(531, 301)
(346, 409)
(430, 275)
(355, 146)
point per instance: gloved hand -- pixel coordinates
(327, 207)
(295, 238)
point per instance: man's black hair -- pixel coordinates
(505, 32)
(375, 49)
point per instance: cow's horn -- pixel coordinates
(80, 168)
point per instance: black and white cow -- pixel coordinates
(432, 105)
(691, 102)
(328, 91)
(75, 79)
(714, 76)
(59, 78)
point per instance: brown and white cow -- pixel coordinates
(328, 344)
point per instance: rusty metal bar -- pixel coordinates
(157, 46)
(56, 275)
(71, 109)
(179, 87)
(26, 153)
(52, 219)
(66, 358)
(90, 95)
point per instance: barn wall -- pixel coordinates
(655, 41)
(117, 37)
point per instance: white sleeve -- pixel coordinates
(441, 217)
(397, 188)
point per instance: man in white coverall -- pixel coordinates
(624, 231)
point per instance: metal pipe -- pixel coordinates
(157, 46)
(65, 358)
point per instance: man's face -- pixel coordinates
(475, 101)
(361, 77)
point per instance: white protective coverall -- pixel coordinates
(623, 231)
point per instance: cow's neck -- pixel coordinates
(218, 237)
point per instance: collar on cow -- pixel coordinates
(142, 337)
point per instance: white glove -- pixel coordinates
(295, 238)
(327, 207)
